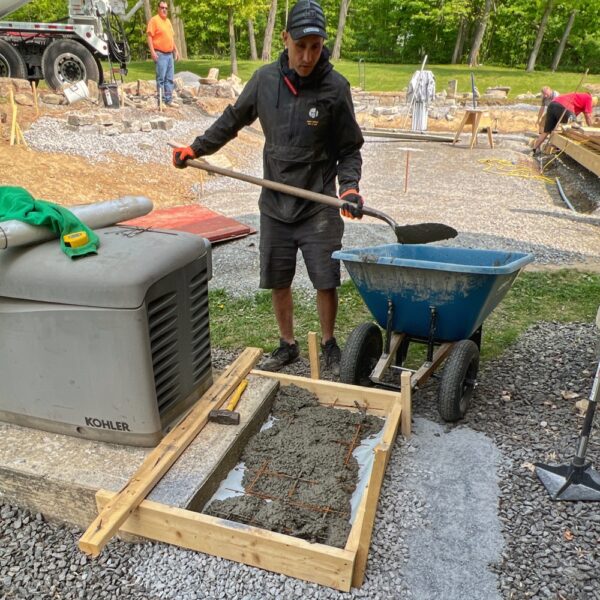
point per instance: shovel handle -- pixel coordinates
(282, 187)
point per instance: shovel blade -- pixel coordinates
(424, 233)
(565, 482)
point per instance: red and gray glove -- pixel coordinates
(181, 155)
(353, 203)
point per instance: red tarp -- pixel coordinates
(194, 219)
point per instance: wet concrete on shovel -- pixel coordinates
(300, 472)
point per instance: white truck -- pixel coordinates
(66, 52)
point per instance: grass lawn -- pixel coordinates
(563, 296)
(388, 77)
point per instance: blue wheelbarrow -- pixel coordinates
(433, 295)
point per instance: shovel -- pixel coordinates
(421, 233)
(577, 481)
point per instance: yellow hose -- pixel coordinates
(500, 166)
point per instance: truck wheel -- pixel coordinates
(67, 62)
(361, 353)
(458, 380)
(11, 62)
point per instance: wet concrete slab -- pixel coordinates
(58, 475)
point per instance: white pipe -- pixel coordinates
(95, 216)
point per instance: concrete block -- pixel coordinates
(79, 119)
(163, 123)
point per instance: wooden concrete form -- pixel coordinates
(334, 567)
(577, 150)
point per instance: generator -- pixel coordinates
(112, 347)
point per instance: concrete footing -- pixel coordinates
(59, 475)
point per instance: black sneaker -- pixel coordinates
(332, 356)
(286, 354)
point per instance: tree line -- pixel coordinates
(543, 34)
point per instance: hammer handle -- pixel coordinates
(235, 397)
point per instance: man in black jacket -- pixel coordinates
(311, 137)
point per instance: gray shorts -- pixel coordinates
(318, 237)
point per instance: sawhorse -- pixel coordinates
(473, 117)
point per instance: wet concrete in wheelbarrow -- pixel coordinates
(300, 473)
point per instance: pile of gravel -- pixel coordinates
(493, 524)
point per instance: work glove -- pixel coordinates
(181, 155)
(353, 203)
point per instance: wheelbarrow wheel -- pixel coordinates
(361, 353)
(458, 380)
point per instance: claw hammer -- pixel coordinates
(228, 416)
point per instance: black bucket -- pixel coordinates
(110, 95)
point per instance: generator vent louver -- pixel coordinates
(178, 326)
(198, 294)
(162, 324)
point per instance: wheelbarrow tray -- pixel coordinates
(463, 285)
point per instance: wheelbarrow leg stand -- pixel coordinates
(393, 343)
(393, 340)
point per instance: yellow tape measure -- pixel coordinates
(76, 240)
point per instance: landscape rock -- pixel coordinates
(53, 99)
(78, 119)
(163, 123)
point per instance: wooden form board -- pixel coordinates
(577, 151)
(325, 565)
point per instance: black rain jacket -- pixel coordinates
(311, 134)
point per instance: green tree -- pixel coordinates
(43, 11)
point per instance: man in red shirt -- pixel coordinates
(564, 108)
(161, 42)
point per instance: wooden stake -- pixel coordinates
(13, 126)
(313, 355)
(406, 400)
(160, 460)
(20, 137)
(35, 98)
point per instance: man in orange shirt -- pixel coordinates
(161, 41)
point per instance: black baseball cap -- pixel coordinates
(306, 18)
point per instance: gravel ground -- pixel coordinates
(461, 515)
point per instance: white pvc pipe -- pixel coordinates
(95, 216)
